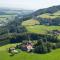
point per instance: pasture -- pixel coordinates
(4, 55)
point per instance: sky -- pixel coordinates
(29, 4)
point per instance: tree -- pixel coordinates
(49, 47)
(40, 47)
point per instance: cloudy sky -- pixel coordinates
(28, 4)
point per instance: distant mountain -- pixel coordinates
(9, 15)
(14, 11)
(47, 10)
(50, 10)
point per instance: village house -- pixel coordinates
(27, 46)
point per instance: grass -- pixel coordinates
(30, 22)
(33, 28)
(56, 13)
(4, 55)
(48, 15)
(41, 28)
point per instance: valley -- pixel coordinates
(30, 35)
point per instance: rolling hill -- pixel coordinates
(47, 16)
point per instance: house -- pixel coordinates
(27, 46)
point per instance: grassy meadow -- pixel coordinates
(41, 28)
(33, 26)
(4, 55)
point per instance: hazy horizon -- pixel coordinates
(28, 4)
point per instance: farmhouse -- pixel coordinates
(27, 46)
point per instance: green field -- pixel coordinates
(30, 22)
(48, 15)
(33, 26)
(4, 55)
(41, 28)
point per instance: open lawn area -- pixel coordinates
(4, 55)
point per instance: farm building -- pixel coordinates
(27, 46)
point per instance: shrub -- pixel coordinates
(58, 45)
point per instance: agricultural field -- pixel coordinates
(31, 27)
(48, 15)
(4, 55)
(30, 22)
(41, 28)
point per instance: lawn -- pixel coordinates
(4, 55)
